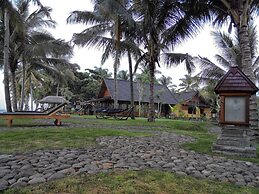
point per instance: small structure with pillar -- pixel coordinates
(234, 89)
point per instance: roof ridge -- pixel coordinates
(135, 82)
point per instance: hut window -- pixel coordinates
(191, 110)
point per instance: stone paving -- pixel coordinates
(161, 151)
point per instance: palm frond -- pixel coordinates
(209, 70)
(225, 63)
(107, 52)
(42, 44)
(182, 26)
(140, 60)
(174, 59)
(90, 40)
(37, 19)
(85, 17)
(256, 62)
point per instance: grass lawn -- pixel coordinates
(55, 138)
(196, 129)
(161, 124)
(142, 182)
(33, 138)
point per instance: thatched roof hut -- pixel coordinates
(53, 100)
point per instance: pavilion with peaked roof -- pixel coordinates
(235, 90)
(235, 83)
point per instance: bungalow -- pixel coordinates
(163, 98)
(191, 105)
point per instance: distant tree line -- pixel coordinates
(146, 32)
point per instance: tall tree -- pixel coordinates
(229, 54)
(6, 59)
(110, 17)
(188, 83)
(162, 25)
(13, 23)
(167, 81)
(238, 13)
(8, 15)
(98, 73)
(123, 75)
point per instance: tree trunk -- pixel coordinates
(115, 85)
(246, 53)
(31, 91)
(131, 86)
(14, 92)
(6, 61)
(116, 63)
(140, 93)
(248, 70)
(26, 103)
(23, 85)
(151, 116)
(57, 89)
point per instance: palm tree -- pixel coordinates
(239, 14)
(108, 16)
(50, 57)
(123, 75)
(12, 23)
(167, 81)
(6, 59)
(99, 73)
(229, 54)
(114, 46)
(188, 83)
(33, 48)
(6, 9)
(163, 24)
(141, 80)
(207, 92)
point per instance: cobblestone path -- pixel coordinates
(161, 151)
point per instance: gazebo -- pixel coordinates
(235, 90)
(53, 100)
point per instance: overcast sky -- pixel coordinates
(202, 44)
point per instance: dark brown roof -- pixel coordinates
(188, 97)
(183, 96)
(161, 93)
(235, 81)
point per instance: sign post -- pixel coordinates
(234, 89)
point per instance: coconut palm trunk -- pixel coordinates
(115, 70)
(57, 89)
(117, 60)
(151, 115)
(131, 86)
(6, 61)
(31, 91)
(23, 85)
(247, 69)
(14, 91)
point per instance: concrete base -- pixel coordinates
(233, 140)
